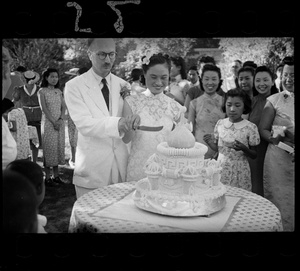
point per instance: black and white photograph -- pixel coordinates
(126, 121)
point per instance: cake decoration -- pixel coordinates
(180, 182)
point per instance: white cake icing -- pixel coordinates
(180, 182)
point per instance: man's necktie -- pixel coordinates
(105, 92)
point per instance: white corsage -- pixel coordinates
(125, 90)
(146, 59)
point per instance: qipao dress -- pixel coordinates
(279, 169)
(154, 110)
(207, 110)
(53, 140)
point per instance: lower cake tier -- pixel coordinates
(162, 202)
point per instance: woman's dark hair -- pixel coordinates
(156, 59)
(21, 69)
(288, 60)
(211, 67)
(266, 69)
(179, 62)
(142, 80)
(207, 59)
(136, 74)
(250, 63)
(237, 92)
(46, 74)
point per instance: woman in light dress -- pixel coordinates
(279, 167)
(155, 109)
(206, 110)
(53, 125)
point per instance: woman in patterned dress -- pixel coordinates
(17, 123)
(155, 109)
(235, 138)
(53, 125)
(279, 167)
(206, 110)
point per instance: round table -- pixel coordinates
(94, 212)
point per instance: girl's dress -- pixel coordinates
(21, 135)
(279, 170)
(235, 167)
(207, 110)
(53, 140)
(154, 110)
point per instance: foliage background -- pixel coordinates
(63, 54)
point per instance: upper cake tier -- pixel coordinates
(181, 137)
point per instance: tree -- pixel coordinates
(132, 50)
(40, 54)
(263, 51)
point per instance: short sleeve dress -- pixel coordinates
(235, 167)
(279, 170)
(21, 135)
(208, 110)
(154, 110)
(53, 140)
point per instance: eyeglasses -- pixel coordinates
(103, 55)
(288, 75)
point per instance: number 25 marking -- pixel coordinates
(119, 26)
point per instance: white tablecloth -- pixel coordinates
(111, 209)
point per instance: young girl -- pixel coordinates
(235, 138)
(206, 110)
(53, 125)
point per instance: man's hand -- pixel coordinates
(129, 123)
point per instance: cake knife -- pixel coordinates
(149, 128)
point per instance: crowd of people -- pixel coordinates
(243, 119)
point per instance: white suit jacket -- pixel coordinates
(99, 143)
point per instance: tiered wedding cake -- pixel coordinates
(180, 181)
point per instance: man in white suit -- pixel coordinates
(101, 155)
